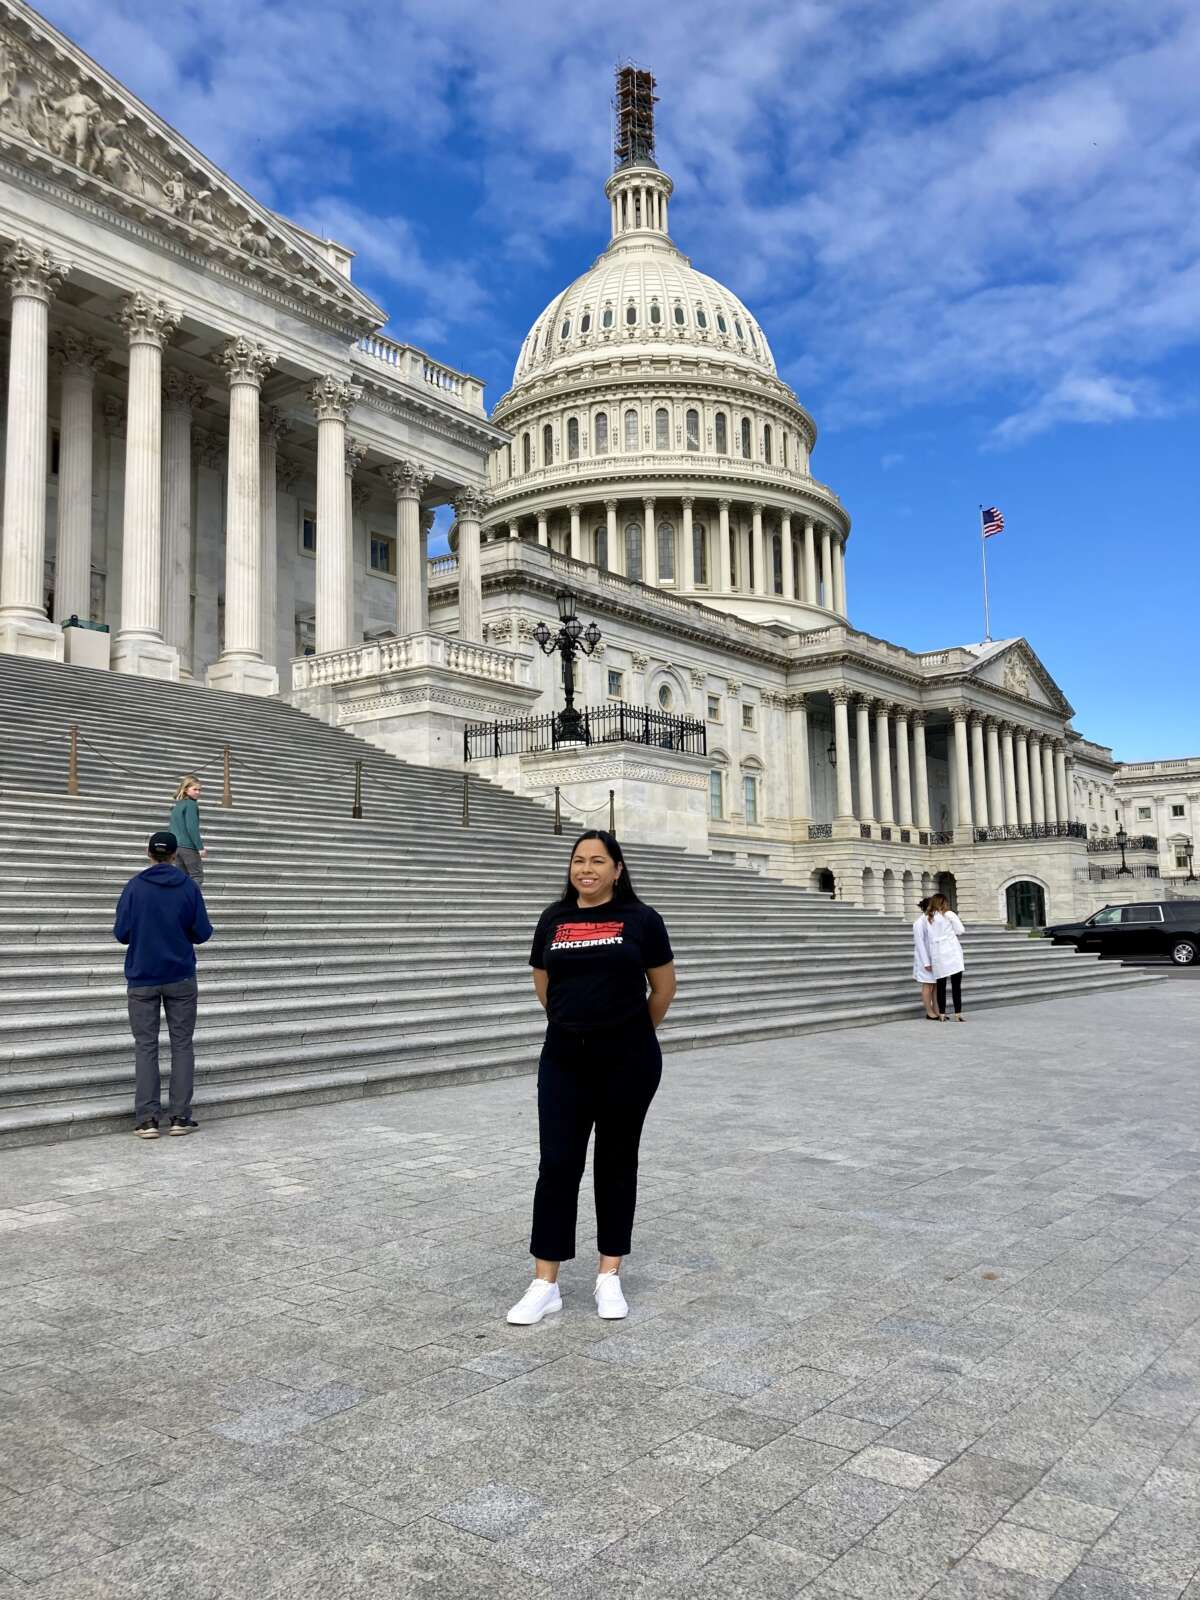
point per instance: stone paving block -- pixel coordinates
(1020, 1549)
(894, 1466)
(1097, 1583)
(755, 1569)
(834, 1514)
(874, 1575)
(1056, 1513)
(43, 1551)
(493, 1511)
(979, 1580)
(745, 1428)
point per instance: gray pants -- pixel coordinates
(191, 863)
(179, 1002)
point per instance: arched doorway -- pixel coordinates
(822, 881)
(946, 885)
(891, 893)
(870, 890)
(1025, 904)
(908, 883)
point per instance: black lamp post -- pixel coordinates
(1187, 850)
(831, 753)
(571, 638)
(1122, 841)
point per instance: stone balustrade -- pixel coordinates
(379, 657)
(413, 366)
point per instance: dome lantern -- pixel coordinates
(638, 190)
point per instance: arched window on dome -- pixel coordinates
(606, 320)
(565, 330)
(549, 336)
(662, 429)
(630, 314)
(679, 315)
(547, 446)
(585, 322)
(747, 442)
(722, 325)
(700, 554)
(573, 438)
(600, 546)
(692, 429)
(633, 551)
(701, 317)
(767, 444)
(721, 433)
(753, 340)
(526, 453)
(783, 448)
(631, 430)
(776, 564)
(737, 328)
(666, 552)
(600, 433)
(655, 312)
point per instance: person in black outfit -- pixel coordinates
(595, 952)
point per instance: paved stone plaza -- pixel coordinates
(916, 1311)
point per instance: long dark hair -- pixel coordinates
(623, 890)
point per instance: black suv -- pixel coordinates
(1150, 928)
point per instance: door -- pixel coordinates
(1142, 931)
(1026, 905)
(1099, 929)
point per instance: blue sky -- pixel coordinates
(971, 229)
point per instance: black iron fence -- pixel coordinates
(612, 724)
(1032, 830)
(1142, 841)
(1093, 874)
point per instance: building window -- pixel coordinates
(747, 446)
(665, 698)
(655, 312)
(1177, 811)
(600, 433)
(666, 552)
(722, 434)
(716, 795)
(606, 320)
(630, 314)
(547, 446)
(750, 796)
(600, 545)
(722, 325)
(565, 332)
(308, 533)
(633, 551)
(734, 541)
(748, 717)
(585, 322)
(777, 563)
(699, 554)
(1181, 856)
(662, 428)
(767, 444)
(526, 452)
(692, 429)
(1143, 813)
(701, 317)
(714, 708)
(679, 316)
(383, 554)
(631, 429)
(573, 438)
(737, 328)
(616, 684)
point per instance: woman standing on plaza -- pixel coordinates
(923, 962)
(185, 825)
(596, 952)
(945, 930)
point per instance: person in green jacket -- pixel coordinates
(185, 825)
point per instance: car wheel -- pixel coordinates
(1183, 952)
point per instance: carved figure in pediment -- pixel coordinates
(252, 241)
(200, 211)
(1016, 678)
(175, 197)
(10, 72)
(72, 121)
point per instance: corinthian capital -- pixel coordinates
(333, 399)
(470, 504)
(181, 392)
(148, 321)
(78, 352)
(272, 423)
(32, 271)
(408, 480)
(247, 361)
(354, 454)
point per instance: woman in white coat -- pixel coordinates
(923, 962)
(945, 930)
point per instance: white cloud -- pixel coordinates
(1079, 398)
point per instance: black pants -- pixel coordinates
(956, 989)
(605, 1080)
(146, 1004)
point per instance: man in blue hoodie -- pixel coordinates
(161, 917)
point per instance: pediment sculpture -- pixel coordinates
(1016, 676)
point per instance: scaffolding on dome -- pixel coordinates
(633, 105)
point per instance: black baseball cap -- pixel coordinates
(162, 845)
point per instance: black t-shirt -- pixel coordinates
(596, 958)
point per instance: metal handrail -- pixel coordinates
(612, 724)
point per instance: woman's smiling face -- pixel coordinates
(593, 872)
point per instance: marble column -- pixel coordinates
(1060, 782)
(1011, 814)
(181, 395)
(994, 775)
(978, 773)
(576, 546)
(921, 770)
(841, 744)
(797, 737)
(409, 481)
(273, 427)
(34, 277)
(1037, 793)
(241, 667)
(685, 575)
(883, 755)
(616, 545)
(789, 557)
(428, 515)
(332, 400)
(649, 545)
(1048, 782)
(514, 530)
(862, 746)
(810, 563)
(543, 527)
(903, 772)
(962, 768)
(1069, 779)
(356, 577)
(839, 578)
(469, 507)
(826, 570)
(762, 578)
(139, 647)
(1024, 813)
(77, 356)
(722, 584)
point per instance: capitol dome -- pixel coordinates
(653, 439)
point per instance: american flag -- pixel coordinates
(993, 521)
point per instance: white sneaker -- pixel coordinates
(610, 1302)
(537, 1302)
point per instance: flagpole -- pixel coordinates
(987, 620)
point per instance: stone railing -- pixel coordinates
(413, 366)
(660, 463)
(644, 594)
(820, 830)
(1142, 841)
(1030, 830)
(379, 657)
(1147, 769)
(442, 566)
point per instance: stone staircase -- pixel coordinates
(359, 957)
